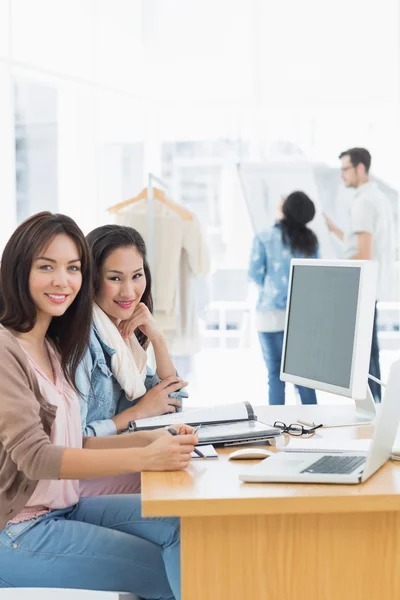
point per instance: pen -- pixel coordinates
(195, 450)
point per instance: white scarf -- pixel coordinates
(128, 363)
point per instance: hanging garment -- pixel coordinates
(180, 256)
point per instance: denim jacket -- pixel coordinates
(270, 268)
(100, 395)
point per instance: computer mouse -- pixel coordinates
(250, 453)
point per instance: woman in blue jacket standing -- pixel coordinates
(269, 268)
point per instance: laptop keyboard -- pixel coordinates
(335, 465)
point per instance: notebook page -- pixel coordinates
(214, 414)
(208, 451)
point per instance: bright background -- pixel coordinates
(95, 94)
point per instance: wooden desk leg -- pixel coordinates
(291, 557)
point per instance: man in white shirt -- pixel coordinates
(370, 235)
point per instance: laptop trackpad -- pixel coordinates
(278, 464)
(288, 463)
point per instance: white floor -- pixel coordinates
(223, 376)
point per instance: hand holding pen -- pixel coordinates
(170, 452)
(172, 431)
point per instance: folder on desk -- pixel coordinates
(226, 413)
(224, 424)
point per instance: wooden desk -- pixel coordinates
(247, 541)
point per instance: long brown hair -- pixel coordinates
(69, 333)
(102, 242)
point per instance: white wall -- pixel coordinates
(89, 53)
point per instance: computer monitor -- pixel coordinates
(328, 331)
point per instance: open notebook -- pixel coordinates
(223, 425)
(228, 413)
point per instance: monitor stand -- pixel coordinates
(363, 414)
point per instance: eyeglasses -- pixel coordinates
(296, 428)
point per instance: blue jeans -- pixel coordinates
(102, 543)
(271, 346)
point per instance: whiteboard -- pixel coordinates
(265, 183)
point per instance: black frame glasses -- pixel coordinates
(296, 428)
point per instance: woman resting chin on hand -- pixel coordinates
(113, 379)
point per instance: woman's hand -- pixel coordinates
(181, 429)
(154, 403)
(169, 452)
(157, 401)
(142, 319)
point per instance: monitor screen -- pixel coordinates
(321, 323)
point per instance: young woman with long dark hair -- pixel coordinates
(115, 383)
(269, 268)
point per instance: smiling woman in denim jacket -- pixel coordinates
(269, 268)
(114, 382)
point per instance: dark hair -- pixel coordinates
(298, 210)
(102, 242)
(358, 156)
(70, 332)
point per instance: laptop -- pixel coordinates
(312, 467)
